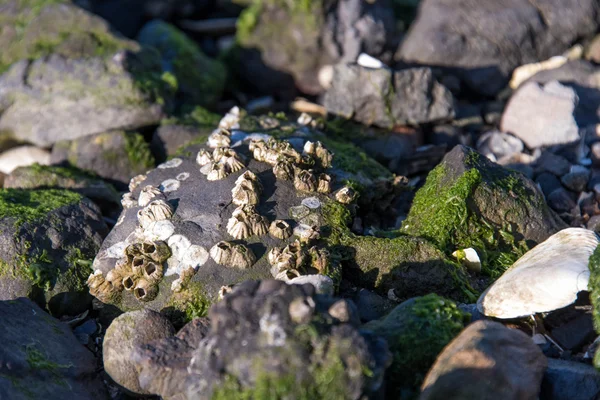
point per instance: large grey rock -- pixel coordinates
(570, 380)
(579, 72)
(48, 239)
(123, 337)
(496, 362)
(386, 98)
(484, 41)
(40, 358)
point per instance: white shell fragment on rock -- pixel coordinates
(546, 278)
(469, 258)
(172, 163)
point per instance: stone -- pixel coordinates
(123, 336)
(565, 379)
(592, 52)
(483, 42)
(547, 278)
(371, 306)
(498, 363)
(200, 79)
(116, 156)
(323, 284)
(168, 139)
(553, 163)
(22, 156)
(575, 333)
(406, 97)
(416, 331)
(255, 341)
(542, 115)
(49, 238)
(578, 74)
(562, 200)
(468, 184)
(498, 144)
(524, 72)
(41, 358)
(547, 182)
(577, 179)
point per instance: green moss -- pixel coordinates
(594, 289)
(38, 360)
(26, 206)
(192, 302)
(138, 152)
(55, 172)
(352, 159)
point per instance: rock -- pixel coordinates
(49, 238)
(410, 96)
(595, 154)
(21, 157)
(116, 156)
(546, 278)
(568, 380)
(575, 333)
(553, 163)
(323, 284)
(467, 201)
(39, 176)
(200, 80)
(577, 179)
(416, 331)
(578, 74)
(41, 359)
(273, 339)
(314, 36)
(553, 107)
(524, 72)
(499, 145)
(483, 42)
(123, 337)
(561, 200)
(548, 183)
(592, 53)
(372, 306)
(66, 99)
(498, 363)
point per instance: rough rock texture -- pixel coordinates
(497, 363)
(41, 359)
(123, 337)
(48, 240)
(568, 380)
(386, 98)
(22, 156)
(268, 337)
(416, 331)
(469, 201)
(57, 98)
(578, 72)
(550, 114)
(483, 41)
(55, 177)
(313, 34)
(200, 80)
(116, 156)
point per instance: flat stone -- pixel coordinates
(548, 182)
(569, 380)
(553, 163)
(575, 333)
(561, 200)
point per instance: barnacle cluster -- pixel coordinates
(232, 255)
(246, 190)
(220, 163)
(245, 221)
(149, 193)
(139, 271)
(156, 210)
(287, 262)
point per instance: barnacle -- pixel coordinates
(258, 149)
(324, 183)
(280, 229)
(135, 182)
(129, 282)
(219, 138)
(156, 210)
(309, 147)
(153, 272)
(305, 181)
(249, 176)
(127, 200)
(241, 257)
(306, 233)
(245, 222)
(204, 157)
(244, 194)
(100, 288)
(291, 257)
(221, 252)
(284, 170)
(231, 159)
(216, 171)
(157, 251)
(288, 275)
(324, 156)
(345, 195)
(145, 290)
(184, 277)
(224, 291)
(231, 120)
(148, 193)
(238, 226)
(258, 224)
(321, 259)
(138, 264)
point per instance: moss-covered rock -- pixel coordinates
(469, 201)
(199, 79)
(417, 331)
(594, 289)
(117, 156)
(49, 238)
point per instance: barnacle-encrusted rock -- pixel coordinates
(324, 184)
(305, 181)
(241, 257)
(345, 195)
(156, 210)
(204, 157)
(221, 252)
(280, 229)
(148, 194)
(219, 138)
(245, 222)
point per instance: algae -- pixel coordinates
(594, 289)
(138, 152)
(27, 206)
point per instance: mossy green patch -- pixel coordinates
(594, 289)
(138, 152)
(39, 360)
(26, 206)
(192, 302)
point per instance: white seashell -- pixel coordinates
(367, 61)
(311, 202)
(169, 185)
(149, 193)
(206, 168)
(159, 230)
(469, 258)
(172, 163)
(546, 278)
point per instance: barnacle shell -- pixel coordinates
(224, 291)
(244, 194)
(219, 138)
(135, 182)
(138, 264)
(284, 170)
(310, 147)
(133, 250)
(345, 195)
(259, 224)
(153, 272)
(156, 210)
(148, 193)
(287, 275)
(184, 277)
(221, 252)
(115, 277)
(306, 233)
(320, 259)
(248, 176)
(271, 156)
(238, 227)
(305, 181)
(231, 120)
(127, 200)
(145, 290)
(280, 229)
(157, 251)
(231, 159)
(204, 157)
(324, 184)
(129, 282)
(101, 288)
(217, 172)
(273, 254)
(241, 257)
(301, 309)
(324, 156)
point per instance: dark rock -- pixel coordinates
(116, 156)
(595, 154)
(575, 73)
(267, 333)
(498, 363)
(570, 380)
(575, 333)
(577, 179)
(484, 41)
(447, 135)
(169, 138)
(592, 52)
(48, 240)
(467, 200)
(410, 96)
(371, 305)
(390, 147)
(416, 331)
(89, 327)
(561, 200)
(123, 336)
(553, 163)
(40, 357)
(594, 223)
(498, 144)
(542, 115)
(548, 182)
